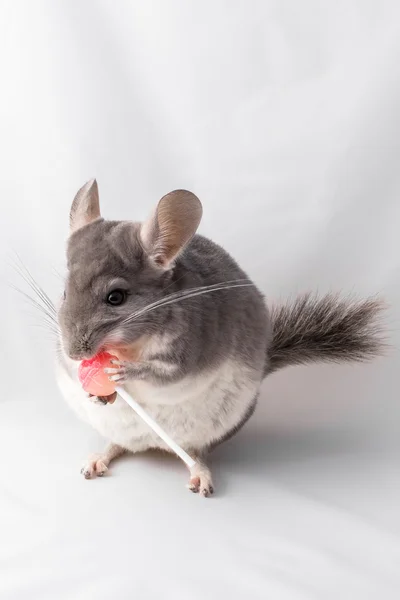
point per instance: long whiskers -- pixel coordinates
(186, 294)
(40, 300)
(39, 291)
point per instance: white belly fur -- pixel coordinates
(195, 411)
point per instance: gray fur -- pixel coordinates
(202, 326)
(210, 327)
(327, 329)
(227, 334)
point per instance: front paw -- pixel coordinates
(103, 399)
(120, 373)
(123, 371)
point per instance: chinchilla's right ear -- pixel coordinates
(86, 207)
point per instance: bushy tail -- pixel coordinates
(327, 329)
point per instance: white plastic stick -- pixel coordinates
(155, 427)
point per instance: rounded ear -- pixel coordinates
(86, 207)
(171, 226)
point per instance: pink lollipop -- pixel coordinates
(96, 382)
(92, 376)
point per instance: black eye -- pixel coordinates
(116, 297)
(64, 295)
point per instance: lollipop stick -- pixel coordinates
(155, 427)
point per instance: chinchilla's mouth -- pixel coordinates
(127, 352)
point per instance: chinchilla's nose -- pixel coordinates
(80, 355)
(76, 357)
(79, 348)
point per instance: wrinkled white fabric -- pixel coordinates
(284, 118)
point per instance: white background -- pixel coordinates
(284, 118)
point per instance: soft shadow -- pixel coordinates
(260, 454)
(259, 447)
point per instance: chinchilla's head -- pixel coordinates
(117, 268)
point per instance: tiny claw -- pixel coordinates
(108, 399)
(112, 397)
(116, 378)
(102, 399)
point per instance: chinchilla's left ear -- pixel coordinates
(171, 226)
